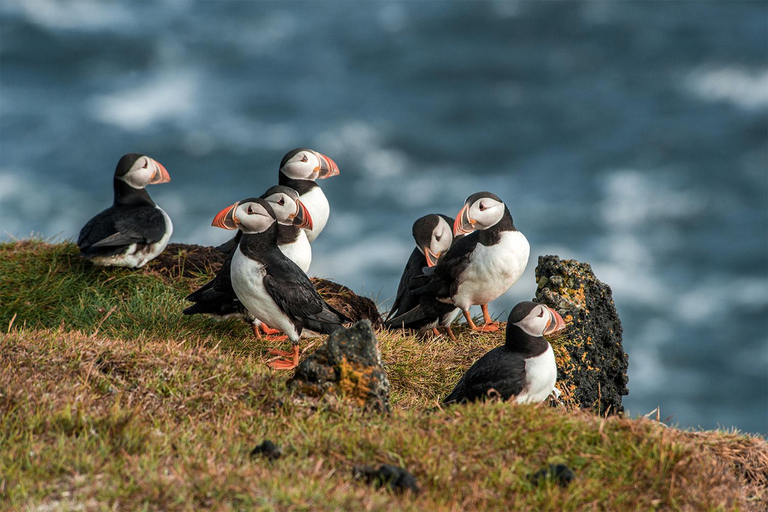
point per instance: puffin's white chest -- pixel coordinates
(319, 210)
(492, 270)
(540, 377)
(299, 252)
(138, 255)
(248, 282)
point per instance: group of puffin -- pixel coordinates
(458, 262)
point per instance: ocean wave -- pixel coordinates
(745, 88)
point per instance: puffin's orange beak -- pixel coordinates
(328, 167)
(432, 258)
(556, 322)
(302, 217)
(160, 175)
(226, 218)
(463, 224)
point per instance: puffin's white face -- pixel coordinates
(250, 217)
(289, 209)
(480, 214)
(309, 165)
(145, 171)
(541, 320)
(442, 237)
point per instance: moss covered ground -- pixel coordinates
(110, 398)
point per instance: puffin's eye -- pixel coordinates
(482, 207)
(146, 164)
(438, 237)
(541, 312)
(281, 202)
(304, 158)
(249, 211)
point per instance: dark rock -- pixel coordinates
(591, 363)
(348, 365)
(559, 473)
(268, 450)
(387, 475)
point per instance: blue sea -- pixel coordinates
(630, 135)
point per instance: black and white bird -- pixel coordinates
(433, 235)
(298, 170)
(271, 287)
(217, 297)
(134, 230)
(484, 263)
(524, 368)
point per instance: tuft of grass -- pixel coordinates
(110, 398)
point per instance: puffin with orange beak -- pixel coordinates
(218, 298)
(271, 287)
(299, 169)
(524, 368)
(484, 263)
(134, 230)
(433, 236)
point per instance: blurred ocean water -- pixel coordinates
(631, 135)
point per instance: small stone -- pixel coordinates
(348, 366)
(395, 478)
(267, 450)
(559, 473)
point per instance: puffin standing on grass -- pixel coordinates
(299, 169)
(271, 287)
(524, 368)
(482, 265)
(218, 298)
(433, 236)
(134, 230)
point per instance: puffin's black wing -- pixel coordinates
(217, 297)
(499, 370)
(404, 300)
(443, 279)
(294, 293)
(120, 226)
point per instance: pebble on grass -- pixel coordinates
(396, 478)
(267, 450)
(559, 473)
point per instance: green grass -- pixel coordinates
(110, 398)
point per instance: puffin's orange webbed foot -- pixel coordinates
(288, 363)
(268, 330)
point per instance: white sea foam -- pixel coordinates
(745, 88)
(80, 14)
(166, 96)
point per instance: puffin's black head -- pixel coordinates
(288, 208)
(138, 171)
(534, 319)
(307, 164)
(249, 215)
(481, 211)
(433, 237)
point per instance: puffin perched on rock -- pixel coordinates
(271, 287)
(484, 263)
(433, 235)
(134, 230)
(298, 170)
(218, 298)
(523, 368)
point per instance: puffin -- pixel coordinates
(524, 368)
(272, 287)
(134, 230)
(484, 263)
(218, 298)
(299, 169)
(433, 235)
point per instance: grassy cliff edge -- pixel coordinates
(110, 398)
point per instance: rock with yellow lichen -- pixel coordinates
(591, 363)
(347, 366)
